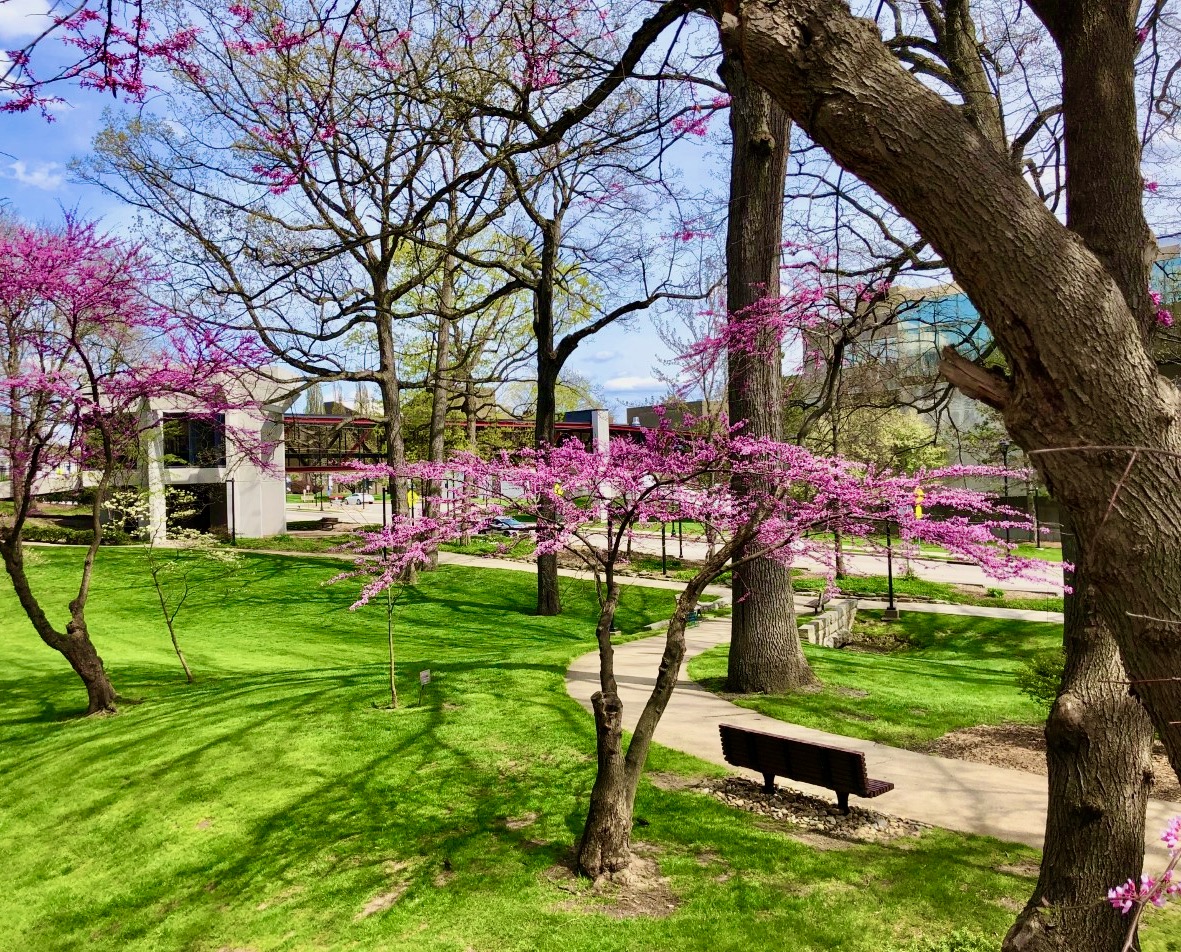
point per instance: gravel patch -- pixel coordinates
(804, 814)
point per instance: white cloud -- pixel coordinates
(633, 384)
(602, 356)
(22, 18)
(43, 175)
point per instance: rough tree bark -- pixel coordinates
(1098, 750)
(605, 847)
(391, 399)
(765, 652)
(549, 366)
(1082, 386)
(74, 643)
(1098, 736)
(440, 386)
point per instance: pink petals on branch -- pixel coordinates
(787, 493)
(1164, 317)
(1152, 890)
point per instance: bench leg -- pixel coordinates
(843, 801)
(768, 783)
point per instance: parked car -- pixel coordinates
(509, 526)
(358, 499)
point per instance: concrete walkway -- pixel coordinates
(955, 794)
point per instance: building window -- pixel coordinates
(194, 441)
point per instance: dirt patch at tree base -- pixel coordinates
(639, 890)
(1023, 747)
(674, 782)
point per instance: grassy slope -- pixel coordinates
(959, 673)
(865, 585)
(264, 806)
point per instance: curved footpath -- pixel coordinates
(955, 794)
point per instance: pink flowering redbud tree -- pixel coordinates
(1151, 891)
(84, 354)
(572, 491)
(102, 45)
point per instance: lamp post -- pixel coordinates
(1005, 444)
(891, 612)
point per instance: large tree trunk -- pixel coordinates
(440, 395)
(74, 644)
(545, 426)
(1098, 750)
(1082, 381)
(79, 650)
(391, 399)
(605, 847)
(606, 838)
(765, 652)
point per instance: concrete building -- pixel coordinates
(233, 462)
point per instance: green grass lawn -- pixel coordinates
(267, 805)
(957, 672)
(1048, 551)
(519, 546)
(297, 544)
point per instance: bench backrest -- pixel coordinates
(817, 764)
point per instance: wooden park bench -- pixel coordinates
(822, 766)
(328, 522)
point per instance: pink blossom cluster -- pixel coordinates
(1172, 835)
(809, 301)
(280, 179)
(273, 37)
(541, 34)
(550, 29)
(693, 124)
(688, 231)
(113, 53)
(612, 191)
(696, 123)
(1151, 890)
(1164, 317)
(785, 494)
(91, 350)
(291, 141)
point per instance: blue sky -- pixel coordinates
(34, 152)
(35, 185)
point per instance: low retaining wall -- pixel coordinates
(833, 628)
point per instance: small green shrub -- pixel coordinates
(995, 593)
(62, 535)
(1041, 676)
